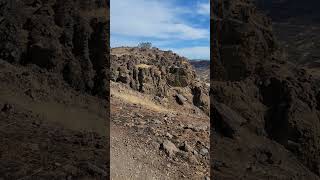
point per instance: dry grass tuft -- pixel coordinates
(143, 66)
(134, 99)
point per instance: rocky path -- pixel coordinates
(132, 159)
(149, 141)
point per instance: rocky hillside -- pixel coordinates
(163, 74)
(54, 89)
(265, 110)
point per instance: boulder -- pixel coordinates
(169, 148)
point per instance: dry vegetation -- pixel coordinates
(143, 66)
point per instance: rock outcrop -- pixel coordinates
(159, 73)
(69, 38)
(264, 108)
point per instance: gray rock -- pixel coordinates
(169, 148)
(204, 151)
(169, 135)
(186, 147)
(180, 99)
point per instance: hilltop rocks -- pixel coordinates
(160, 73)
(63, 37)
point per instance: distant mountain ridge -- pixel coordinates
(202, 68)
(283, 10)
(297, 26)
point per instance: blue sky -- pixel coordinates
(182, 26)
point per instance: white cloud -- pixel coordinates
(204, 8)
(197, 52)
(151, 19)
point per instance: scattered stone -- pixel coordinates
(139, 115)
(180, 99)
(192, 159)
(227, 121)
(169, 135)
(195, 152)
(57, 164)
(169, 148)
(199, 128)
(142, 123)
(204, 151)
(186, 147)
(157, 121)
(155, 145)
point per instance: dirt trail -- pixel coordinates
(132, 159)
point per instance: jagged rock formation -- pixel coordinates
(264, 111)
(160, 73)
(66, 37)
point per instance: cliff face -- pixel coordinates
(66, 37)
(264, 108)
(159, 73)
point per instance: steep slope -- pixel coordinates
(265, 109)
(54, 89)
